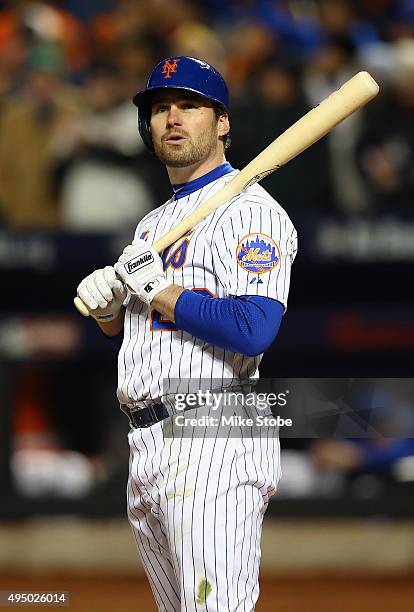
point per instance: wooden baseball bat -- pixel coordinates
(354, 94)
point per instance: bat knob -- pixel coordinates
(81, 306)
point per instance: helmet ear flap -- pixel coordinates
(144, 128)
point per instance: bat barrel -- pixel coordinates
(310, 128)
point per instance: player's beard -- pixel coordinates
(191, 151)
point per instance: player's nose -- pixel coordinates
(174, 116)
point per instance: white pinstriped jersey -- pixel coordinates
(246, 247)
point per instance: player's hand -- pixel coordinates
(103, 294)
(141, 269)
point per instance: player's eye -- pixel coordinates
(189, 105)
(160, 108)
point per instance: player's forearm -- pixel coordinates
(114, 327)
(164, 302)
(243, 324)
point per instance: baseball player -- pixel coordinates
(206, 309)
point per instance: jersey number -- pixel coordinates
(159, 323)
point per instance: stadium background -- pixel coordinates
(74, 178)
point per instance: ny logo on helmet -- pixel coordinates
(169, 67)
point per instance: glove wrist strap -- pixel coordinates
(106, 318)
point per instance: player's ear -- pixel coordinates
(223, 124)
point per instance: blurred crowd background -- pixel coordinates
(70, 157)
(75, 178)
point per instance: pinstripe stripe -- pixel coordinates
(242, 493)
(167, 504)
(174, 531)
(184, 573)
(216, 497)
(214, 552)
(250, 565)
(194, 339)
(229, 580)
(204, 344)
(192, 525)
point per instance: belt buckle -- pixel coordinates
(132, 421)
(144, 422)
(148, 409)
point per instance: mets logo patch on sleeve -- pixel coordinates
(257, 253)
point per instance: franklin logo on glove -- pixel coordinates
(139, 262)
(141, 269)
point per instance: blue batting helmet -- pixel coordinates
(180, 72)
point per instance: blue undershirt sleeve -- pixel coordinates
(246, 324)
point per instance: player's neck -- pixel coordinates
(180, 176)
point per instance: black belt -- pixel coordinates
(145, 417)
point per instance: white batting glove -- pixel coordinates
(141, 269)
(103, 294)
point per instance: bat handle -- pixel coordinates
(81, 306)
